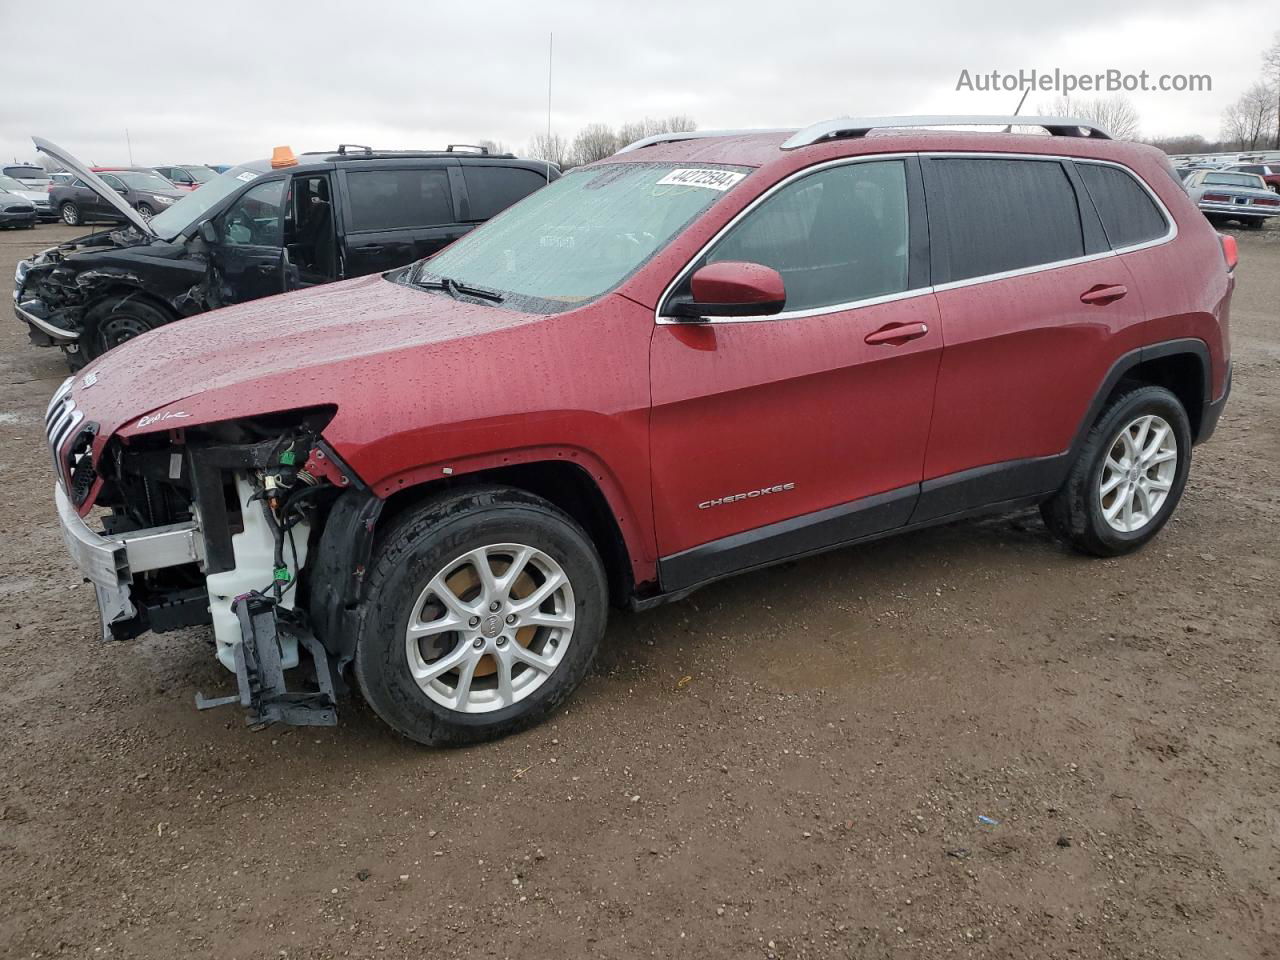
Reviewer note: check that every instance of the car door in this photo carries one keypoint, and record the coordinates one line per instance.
(395, 214)
(776, 436)
(1035, 309)
(246, 259)
(100, 207)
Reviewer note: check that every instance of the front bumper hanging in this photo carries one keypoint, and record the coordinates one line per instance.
(110, 563)
(260, 673)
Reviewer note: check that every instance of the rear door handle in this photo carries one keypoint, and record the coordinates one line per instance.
(1104, 293)
(898, 333)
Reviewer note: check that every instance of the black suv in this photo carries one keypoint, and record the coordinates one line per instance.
(260, 228)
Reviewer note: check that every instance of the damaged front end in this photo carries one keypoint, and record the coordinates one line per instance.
(62, 291)
(215, 525)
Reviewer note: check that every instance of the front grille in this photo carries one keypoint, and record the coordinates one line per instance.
(19, 208)
(60, 422)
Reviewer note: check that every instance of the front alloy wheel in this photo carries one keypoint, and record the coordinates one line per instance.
(490, 628)
(484, 610)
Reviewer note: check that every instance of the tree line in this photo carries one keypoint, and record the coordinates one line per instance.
(596, 141)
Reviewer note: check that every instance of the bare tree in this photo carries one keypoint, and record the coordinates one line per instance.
(1271, 76)
(550, 147)
(1116, 114)
(493, 146)
(1248, 123)
(638, 129)
(595, 142)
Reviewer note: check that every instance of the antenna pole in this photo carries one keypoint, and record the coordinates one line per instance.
(551, 39)
(1018, 109)
(130, 145)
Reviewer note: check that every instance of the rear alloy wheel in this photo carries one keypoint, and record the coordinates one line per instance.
(1138, 473)
(485, 608)
(1128, 476)
(70, 214)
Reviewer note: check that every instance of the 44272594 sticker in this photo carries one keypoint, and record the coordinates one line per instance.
(705, 177)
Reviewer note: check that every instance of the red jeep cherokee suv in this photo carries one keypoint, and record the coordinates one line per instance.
(706, 354)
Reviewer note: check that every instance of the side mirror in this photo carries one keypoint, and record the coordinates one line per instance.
(732, 288)
(208, 232)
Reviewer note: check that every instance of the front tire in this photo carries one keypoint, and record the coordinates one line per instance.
(145, 211)
(484, 612)
(70, 214)
(1127, 478)
(117, 320)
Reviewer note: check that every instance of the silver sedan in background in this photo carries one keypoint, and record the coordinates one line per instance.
(1223, 195)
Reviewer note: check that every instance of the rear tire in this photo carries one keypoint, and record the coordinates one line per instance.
(117, 320)
(71, 215)
(418, 619)
(1121, 489)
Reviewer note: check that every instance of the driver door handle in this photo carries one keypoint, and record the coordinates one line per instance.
(898, 333)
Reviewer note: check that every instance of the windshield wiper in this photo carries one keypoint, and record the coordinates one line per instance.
(453, 288)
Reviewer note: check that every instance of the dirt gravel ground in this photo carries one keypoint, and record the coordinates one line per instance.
(792, 764)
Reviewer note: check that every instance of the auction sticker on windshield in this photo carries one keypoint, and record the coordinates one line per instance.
(711, 179)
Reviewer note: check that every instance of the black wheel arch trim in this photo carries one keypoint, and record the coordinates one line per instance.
(1128, 361)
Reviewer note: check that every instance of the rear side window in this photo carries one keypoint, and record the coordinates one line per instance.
(1128, 213)
(1001, 215)
(836, 236)
(391, 199)
(492, 189)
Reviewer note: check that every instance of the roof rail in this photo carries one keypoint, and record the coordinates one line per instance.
(693, 135)
(458, 147)
(860, 126)
(345, 148)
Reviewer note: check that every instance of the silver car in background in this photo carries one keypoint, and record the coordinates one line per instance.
(1223, 195)
(37, 198)
(31, 176)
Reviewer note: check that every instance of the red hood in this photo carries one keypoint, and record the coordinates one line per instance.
(326, 345)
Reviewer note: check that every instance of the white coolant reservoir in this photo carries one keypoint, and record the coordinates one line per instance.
(254, 550)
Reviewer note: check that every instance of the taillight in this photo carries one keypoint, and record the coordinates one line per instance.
(1267, 203)
(1230, 253)
(1216, 198)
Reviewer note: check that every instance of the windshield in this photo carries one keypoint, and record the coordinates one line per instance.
(8, 183)
(145, 181)
(200, 174)
(1234, 179)
(581, 236)
(200, 201)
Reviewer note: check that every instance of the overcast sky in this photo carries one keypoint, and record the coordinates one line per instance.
(223, 82)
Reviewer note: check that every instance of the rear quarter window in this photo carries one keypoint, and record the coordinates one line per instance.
(492, 189)
(1128, 213)
(1001, 215)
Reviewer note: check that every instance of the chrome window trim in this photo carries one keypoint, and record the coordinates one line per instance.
(1169, 235)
